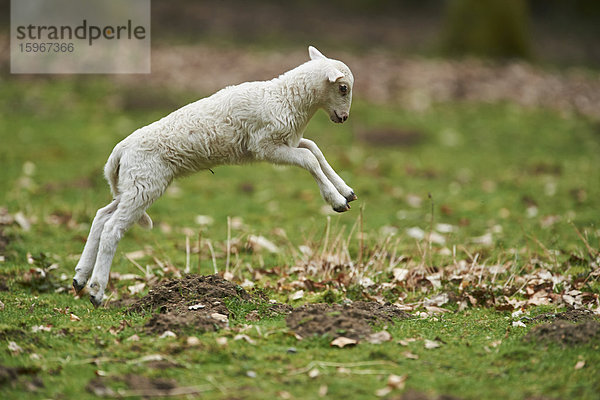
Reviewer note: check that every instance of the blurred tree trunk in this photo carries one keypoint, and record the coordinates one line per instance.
(487, 28)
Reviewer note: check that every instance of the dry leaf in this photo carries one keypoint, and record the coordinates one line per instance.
(246, 338)
(219, 317)
(297, 295)
(221, 341)
(43, 328)
(192, 341)
(137, 288)
(410, 356)
(168, 334)
(342, 342)
(431, 344)
(323, 390)
(396, 381)
(580, 364)
(393, 382)
(313, 373)
(383, 391)
(379, 337)
(405, 342)
(14, 348)
(133, 338)
(74, 317)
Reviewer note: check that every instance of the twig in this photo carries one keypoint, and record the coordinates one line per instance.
(212, 254)
(591, 252)
(200, 252)
(187, 255)
(228, 244)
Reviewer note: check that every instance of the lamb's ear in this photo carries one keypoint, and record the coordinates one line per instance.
(315, 54)
(333, 74)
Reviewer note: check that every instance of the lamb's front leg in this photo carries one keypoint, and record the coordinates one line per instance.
(329, 172)
(304, 158)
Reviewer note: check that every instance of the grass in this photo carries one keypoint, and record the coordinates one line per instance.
(527, 177)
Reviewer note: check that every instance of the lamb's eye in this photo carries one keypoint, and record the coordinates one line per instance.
(343, 89)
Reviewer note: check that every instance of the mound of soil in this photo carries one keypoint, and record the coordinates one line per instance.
(415, 395)
(570, 316)
(353, 321)
(566, 333)
(191, 302)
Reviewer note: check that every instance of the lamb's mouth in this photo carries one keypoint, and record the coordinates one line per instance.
(336, 118)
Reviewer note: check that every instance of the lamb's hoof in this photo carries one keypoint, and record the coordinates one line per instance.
(351, 197)
(343, 208)
(96, 300)
(77, 286)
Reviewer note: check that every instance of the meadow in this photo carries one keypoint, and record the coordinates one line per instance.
(480, 220)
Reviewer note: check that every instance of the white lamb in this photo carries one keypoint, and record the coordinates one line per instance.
(253, 121)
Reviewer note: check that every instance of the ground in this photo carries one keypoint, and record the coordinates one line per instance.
(468, 268)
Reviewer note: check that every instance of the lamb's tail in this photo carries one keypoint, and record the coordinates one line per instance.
(111, 173)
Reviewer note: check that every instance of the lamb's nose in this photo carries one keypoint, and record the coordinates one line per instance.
(344, 116)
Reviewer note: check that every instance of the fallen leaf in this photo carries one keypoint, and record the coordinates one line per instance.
(246, 338)
(405, 342)
(74, 317)
(410, 356)
(379, 337)
(313, 373)
(431, 344)
(343, 341)
(137, 288)
(383, 391)
(192, 341)
(167, 334)
(43, 328)
(133, 338)
(297, 295)
(394, 382)
(580, 364)
(221, 341)
(219, 317)
(323, 390)
(14, 348)
(257, 243)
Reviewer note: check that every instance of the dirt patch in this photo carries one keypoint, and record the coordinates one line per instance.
(566, 333)
(570, 316)
(196, 302)
(415, 395)
(11, 375)
(137, 384)
(350, 320)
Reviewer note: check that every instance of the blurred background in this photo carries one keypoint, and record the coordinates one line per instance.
(489, 107)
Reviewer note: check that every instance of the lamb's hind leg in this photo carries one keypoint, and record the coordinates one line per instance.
(130, 209)
(84, 267)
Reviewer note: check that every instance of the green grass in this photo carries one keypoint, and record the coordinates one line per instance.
(479, 167)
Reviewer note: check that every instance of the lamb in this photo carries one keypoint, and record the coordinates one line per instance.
(252, 121)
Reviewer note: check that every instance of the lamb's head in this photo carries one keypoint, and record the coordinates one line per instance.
(338, 80)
